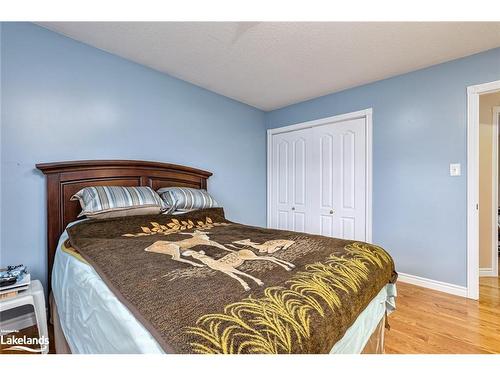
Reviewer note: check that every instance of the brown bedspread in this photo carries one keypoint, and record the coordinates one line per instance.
(202, 284)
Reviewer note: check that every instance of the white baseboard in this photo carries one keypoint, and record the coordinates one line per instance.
(487, 272)
(440, 286)
(19, 322)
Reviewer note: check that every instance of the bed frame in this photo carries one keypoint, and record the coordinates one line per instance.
(66, 178)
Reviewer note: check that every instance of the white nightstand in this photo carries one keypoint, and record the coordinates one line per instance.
(32, 296)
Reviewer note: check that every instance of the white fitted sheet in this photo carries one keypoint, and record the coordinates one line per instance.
(94, 321)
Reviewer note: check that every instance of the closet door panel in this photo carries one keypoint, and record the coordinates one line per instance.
(347, 225)
(298, 187)
(299, 222)
(290, 185)
(352, 201)
(326, 226)
(348, 165)
(326, 161)
(338, 203)
(282, 220)
(281, 183)
(326, 170)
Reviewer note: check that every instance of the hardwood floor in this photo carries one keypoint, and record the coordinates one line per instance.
(428, 322)
(431, 322)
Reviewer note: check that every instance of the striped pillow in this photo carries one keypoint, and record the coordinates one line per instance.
(186, 199)
(101, 202)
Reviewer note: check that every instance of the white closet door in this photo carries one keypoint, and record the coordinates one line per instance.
(289, 205)
(338, 197)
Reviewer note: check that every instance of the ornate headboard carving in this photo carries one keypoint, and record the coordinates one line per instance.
(65, 178)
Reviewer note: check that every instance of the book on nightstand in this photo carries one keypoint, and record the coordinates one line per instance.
(8, 294)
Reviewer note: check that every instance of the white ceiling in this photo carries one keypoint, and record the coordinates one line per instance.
(273, 64)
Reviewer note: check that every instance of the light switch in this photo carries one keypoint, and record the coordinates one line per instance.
(455, 169)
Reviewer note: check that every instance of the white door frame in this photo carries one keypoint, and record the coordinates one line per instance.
(473, 93)
(367, 114)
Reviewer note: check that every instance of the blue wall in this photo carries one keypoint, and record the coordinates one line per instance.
(419, 127)
(64, 100)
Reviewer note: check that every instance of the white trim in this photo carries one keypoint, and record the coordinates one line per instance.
(440, 286)
(365, 113)
(268, 182)
(19, 322)
(484, 88)
(369, 176)
(472, 194)
(473, 93)
(326, 120)
(494, 192)
(487, 272)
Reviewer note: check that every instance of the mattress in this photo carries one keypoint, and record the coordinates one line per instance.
(93, 320)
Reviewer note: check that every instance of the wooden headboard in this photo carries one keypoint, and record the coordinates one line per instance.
(66, 178)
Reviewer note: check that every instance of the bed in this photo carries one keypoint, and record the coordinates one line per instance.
(94, 314)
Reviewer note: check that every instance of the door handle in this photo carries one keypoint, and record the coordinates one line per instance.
(332, 212)
(293, 208)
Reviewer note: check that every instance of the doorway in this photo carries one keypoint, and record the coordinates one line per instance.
(482, 184)
(488, 184)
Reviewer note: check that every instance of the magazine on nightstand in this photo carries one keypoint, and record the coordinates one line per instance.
(14, 280)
